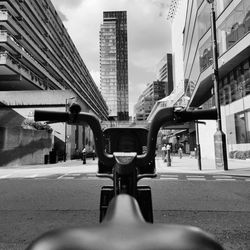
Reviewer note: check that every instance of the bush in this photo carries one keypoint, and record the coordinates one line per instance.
(30, 124)
(242, 155)
(247, 154)
(232, 154)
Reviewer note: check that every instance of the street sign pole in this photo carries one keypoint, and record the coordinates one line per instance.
(219, 137)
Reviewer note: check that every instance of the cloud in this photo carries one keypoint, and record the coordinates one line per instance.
(149, 34)
(62, 16)
(67, 3)
(96, 77)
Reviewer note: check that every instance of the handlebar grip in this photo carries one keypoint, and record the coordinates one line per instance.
(52, 116)
(184, 116)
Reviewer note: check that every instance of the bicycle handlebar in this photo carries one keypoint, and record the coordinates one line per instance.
(165, 116)
(79, 119)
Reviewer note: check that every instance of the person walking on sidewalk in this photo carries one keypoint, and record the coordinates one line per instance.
(164, 152)
(84, 156)
(168, 156)
(180, 152)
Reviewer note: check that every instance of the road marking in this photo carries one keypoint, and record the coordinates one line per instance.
(60, 177)
(169, 178)
(31, 176)
(91, 174)
(4, 176)
(223, 176)
(196, 178)
(170, 175)
(93, 177)
(223, 179)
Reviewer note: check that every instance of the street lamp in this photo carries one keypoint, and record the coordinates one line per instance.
(66, 136)
(219, 137)
(198, 147)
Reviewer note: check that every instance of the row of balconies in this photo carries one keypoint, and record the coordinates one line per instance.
(19, 69)
(58, 68)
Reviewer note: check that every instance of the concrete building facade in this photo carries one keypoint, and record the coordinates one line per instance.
(233, 35)
(153, 92)
(114, 63)
(37, 54)
(164, 72)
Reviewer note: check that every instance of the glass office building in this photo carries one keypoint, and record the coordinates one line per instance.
(114, 63)
(233, 35)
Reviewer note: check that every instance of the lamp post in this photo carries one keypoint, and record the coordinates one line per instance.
(66, 136)
(219, 137)
(198, 148)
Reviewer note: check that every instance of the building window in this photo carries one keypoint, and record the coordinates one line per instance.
(242, 127)
(236, 25)
(236, 84)
(204, 20)
(246, 83)
(205, 55)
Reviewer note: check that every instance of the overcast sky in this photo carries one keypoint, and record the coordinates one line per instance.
(149, 35)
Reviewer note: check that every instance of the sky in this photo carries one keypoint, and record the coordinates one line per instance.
(149, 36)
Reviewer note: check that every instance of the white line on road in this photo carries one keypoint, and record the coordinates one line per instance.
(31, 176)
(223, 179)
(93, 178)
(67, 177)
(169, 178)
(169, 175)
(60, 177)
(91, 174)
(223, 176)
(4, 176)
(196, 178)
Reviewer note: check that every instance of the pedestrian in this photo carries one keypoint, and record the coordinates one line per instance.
(195, 153)
(168, 157)
(180, 152)
(164, 152)
(84, 156)
(93, 154)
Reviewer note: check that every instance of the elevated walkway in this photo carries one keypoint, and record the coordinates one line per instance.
(36, 98)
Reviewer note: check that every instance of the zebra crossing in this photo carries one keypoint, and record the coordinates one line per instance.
(160, 176)
(200, 177)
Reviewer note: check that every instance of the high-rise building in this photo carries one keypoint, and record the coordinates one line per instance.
(146, 101)
(164, 72)
(114, 63)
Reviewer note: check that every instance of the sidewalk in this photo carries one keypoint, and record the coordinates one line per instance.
(70, 166)
(190, 165)
(184, 165)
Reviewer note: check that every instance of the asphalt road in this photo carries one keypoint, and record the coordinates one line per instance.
(29, 207)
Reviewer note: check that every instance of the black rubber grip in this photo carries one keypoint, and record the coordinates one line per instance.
(184, 116)
(52, 116)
